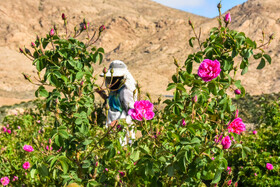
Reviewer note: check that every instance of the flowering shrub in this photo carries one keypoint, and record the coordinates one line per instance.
(183, 145)
(258, 164)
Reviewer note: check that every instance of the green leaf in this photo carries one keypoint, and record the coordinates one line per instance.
(79, 75)
(43, 170)
(86, 164)
(212, 88)
(258, 56)
(170, 170)
(243, 154)
(181, 87)
(244, 70)
(217, 177)
(64, 164)
(190, 67)
(191, 41)
(237, 83)
(268, 58)
(41, 64)
(261, 64)
(32, 173)
(79, 121)
(171, 86)
(111, 153)
(101, 50)
(135, 155)
(42, 92)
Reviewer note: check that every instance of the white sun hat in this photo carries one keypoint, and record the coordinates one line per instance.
(120, 70)
(119, 67)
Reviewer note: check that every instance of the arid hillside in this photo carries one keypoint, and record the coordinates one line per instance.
(142, 33)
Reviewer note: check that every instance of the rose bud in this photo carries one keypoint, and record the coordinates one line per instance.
(33, 45)
(63, 16)
(84, 26)
(105, 70)
(194, 99)
(27, 51)
(271, 37)
(227, 18)
(219, 6)
(102, 28)
(55, 27)
(237, 92)
(183, 122)
(82, 83)
(20, 50)
(51, 32)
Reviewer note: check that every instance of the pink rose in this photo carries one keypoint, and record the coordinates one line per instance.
(9, 131)
(5, 181)
(213, 158)
(237, 126)
(28, 148)
(254, 132)
(229, 183)
(269, 166)
(256, 174)
(226, 142)
(227, 18)
(209, 69)
(142, 109)
(4, 129)
(106, 169)
(26, 165)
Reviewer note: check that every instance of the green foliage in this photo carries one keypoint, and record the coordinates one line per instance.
(251, 170)
(82, 150)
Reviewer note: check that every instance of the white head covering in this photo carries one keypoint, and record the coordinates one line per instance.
(120, 70)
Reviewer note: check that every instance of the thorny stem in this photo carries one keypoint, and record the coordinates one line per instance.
(197, 37)
(106, 134)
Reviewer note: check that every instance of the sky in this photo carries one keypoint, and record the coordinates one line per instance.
(206, 8)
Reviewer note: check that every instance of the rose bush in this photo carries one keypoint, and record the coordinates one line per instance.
(260, 165)
(185, 144)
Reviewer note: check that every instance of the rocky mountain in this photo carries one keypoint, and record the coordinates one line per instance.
(142, 33)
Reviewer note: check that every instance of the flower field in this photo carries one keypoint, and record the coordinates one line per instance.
(198, 139)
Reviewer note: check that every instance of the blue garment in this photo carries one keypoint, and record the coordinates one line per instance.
(114, 100)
